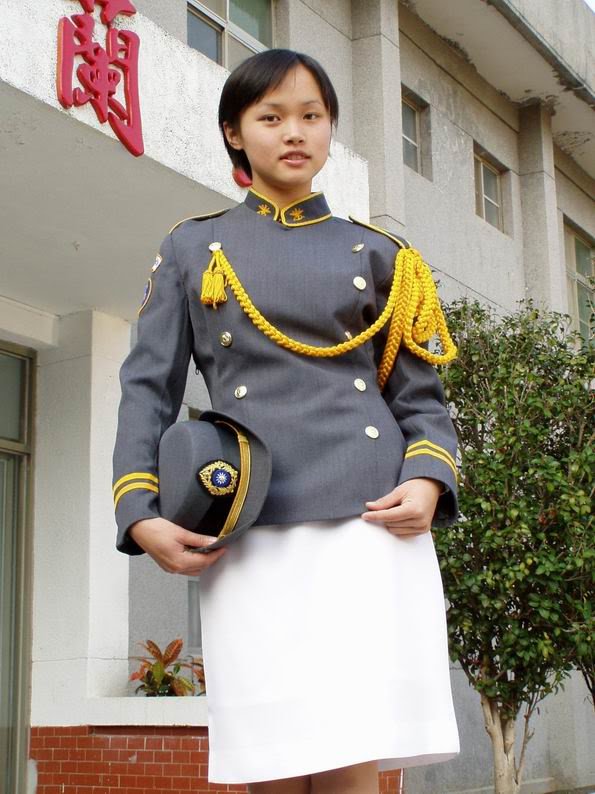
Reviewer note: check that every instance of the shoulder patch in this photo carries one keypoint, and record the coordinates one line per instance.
(199, 217)
(401, 241)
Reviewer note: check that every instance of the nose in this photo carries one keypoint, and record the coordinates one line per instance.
(292, 132)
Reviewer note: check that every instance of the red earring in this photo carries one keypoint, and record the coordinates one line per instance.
(240, 177)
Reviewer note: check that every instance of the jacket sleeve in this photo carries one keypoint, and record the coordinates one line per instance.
(415, 396)
(153, 379)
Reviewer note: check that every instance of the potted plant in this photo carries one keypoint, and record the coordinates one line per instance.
(159, 673)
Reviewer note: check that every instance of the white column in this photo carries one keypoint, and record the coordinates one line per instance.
(543, 255)
(80, 584)
(377, 107)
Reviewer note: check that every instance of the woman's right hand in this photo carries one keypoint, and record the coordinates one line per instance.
(166, 543)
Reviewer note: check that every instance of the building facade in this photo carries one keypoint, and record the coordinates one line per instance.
(467, 127)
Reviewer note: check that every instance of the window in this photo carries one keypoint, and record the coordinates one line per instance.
(580, 267)
(17, 373)
(488, 194)
(410, 120)
(416, 132)
(229, 31)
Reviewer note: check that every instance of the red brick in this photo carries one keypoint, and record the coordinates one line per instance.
(189, 743)
(110, 755)
(189, 770)
(135, 742)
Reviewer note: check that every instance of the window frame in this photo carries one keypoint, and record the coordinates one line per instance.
(405, 100)
(573, 277)
(483, 161)
(24, 453)
(227, 28)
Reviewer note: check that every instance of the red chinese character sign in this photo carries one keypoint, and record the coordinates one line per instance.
(101, 70)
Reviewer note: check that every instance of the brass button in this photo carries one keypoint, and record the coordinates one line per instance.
(359, 282)
(214, 246)
(360, 384)
(357, 247)
(240, 391)
(372, 431)
(348, 335)
(225, 338)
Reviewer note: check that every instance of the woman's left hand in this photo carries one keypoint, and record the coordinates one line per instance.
(408, 509)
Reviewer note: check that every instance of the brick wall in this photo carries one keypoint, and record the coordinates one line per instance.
(133, 760)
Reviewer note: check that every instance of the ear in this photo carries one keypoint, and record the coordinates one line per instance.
(233, 138)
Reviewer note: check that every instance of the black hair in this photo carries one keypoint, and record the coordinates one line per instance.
(257, 75)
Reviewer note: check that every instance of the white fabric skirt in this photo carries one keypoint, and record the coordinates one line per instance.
(325, 645)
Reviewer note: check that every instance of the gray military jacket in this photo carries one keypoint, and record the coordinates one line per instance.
(337, 441)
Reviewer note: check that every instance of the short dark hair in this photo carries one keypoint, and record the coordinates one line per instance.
(257, 75)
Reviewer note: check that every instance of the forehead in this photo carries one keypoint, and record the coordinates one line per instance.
(299, 86)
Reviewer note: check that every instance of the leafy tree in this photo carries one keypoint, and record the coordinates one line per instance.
(518, 566)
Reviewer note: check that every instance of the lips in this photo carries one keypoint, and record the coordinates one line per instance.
(295, 155)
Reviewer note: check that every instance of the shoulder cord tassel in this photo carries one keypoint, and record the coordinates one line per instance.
(213, 281)
(413, 307)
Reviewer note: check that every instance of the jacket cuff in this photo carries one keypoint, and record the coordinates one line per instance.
(423, 460)
(137, 503)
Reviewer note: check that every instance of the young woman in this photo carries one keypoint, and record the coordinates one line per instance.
(323, 626)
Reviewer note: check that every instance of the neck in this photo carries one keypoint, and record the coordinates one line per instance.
(281, 197)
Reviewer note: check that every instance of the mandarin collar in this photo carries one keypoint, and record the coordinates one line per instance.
(312, 208)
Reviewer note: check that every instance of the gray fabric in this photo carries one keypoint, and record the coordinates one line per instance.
(305, 408)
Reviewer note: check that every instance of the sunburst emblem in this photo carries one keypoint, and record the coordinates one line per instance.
(297, 214)
(264, 209)
(219, 477)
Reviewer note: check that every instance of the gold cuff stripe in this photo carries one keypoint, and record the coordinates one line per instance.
(131, 486)
(134, 475)
(435, 454)
(425, 443)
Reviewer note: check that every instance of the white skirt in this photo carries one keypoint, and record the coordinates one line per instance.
(325, 645)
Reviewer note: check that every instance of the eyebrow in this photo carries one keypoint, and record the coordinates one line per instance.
(280, 105)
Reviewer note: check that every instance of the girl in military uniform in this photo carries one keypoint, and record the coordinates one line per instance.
(323, 626)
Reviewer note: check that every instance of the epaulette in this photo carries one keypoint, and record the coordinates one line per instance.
(399, 240)
(199, 217)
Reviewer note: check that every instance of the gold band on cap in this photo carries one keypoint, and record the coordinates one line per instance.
(242, 489)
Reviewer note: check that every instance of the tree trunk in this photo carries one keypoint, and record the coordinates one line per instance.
(502, 736)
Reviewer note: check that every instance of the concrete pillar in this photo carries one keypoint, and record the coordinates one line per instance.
(80, 582)
(542, 255)
(377, 107)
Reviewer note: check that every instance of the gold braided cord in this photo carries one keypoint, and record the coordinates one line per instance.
(413, 303)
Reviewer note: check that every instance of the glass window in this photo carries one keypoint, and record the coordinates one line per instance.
(218, 6)
(204, 36)
(253, 16)
(487, 192)
(236, 52)
(410, 123)
(12, 383)
(16, 373)
(580, 268)
(229, 31)
(194, 626)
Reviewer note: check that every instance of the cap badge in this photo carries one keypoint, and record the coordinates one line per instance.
(219, 477)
